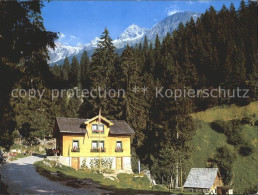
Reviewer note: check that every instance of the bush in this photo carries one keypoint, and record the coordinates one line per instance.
(246, 120)
(218, 126)
(52, 152)
(224, 158)
(106, 164)
(246, 149)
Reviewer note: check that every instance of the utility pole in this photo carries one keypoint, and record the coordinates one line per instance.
(177, 136)
(99, 120)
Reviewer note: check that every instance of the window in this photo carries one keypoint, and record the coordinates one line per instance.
(119, 146)
(97, 145)
(75, 146)
(97, 128)
(101, 144)
(94, 145)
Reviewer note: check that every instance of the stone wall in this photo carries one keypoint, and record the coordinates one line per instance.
(60, 159)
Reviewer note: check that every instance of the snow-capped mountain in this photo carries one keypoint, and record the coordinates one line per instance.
(61, 51)
(93, 43)
(132, 32)
(170, 23)
(131, 35)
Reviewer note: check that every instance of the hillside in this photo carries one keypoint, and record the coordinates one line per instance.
(226, 112)
(207, 140)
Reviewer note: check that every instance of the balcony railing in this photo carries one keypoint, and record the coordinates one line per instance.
(119, 150)
(98, 150)
(75, 150)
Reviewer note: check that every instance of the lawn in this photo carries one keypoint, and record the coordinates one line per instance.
(123, 183)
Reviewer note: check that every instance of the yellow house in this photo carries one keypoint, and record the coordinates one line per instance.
(94, 143)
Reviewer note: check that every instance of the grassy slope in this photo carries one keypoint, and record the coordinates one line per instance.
(207, 140)
(125, 182)
(226, 112)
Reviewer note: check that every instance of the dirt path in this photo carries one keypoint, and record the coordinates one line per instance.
(21, 177)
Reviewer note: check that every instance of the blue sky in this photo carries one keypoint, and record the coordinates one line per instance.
(81, 21)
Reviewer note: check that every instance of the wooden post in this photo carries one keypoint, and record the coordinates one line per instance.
(139, 166)
(181, 180)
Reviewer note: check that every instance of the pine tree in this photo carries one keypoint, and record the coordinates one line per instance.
(145, 44)
(57, 71)
(66, 69)
(157, 56)
(102, 76)
(134, 102)
(85, 66)
(102, 63)
(23, 47)
(74, 74)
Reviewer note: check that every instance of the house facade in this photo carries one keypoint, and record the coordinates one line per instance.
(96, 143)
(205, 180)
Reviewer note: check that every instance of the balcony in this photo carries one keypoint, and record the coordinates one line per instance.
(98, 150)
(75, 150)
(119, 150)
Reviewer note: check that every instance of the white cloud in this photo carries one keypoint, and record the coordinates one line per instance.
(172, 10)
(73, 37)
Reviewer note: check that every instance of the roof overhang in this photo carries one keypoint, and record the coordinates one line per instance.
(101, 117)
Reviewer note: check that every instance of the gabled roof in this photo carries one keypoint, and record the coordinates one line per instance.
(71, 125)
(120, 127)
(76, 125)
(201, 178)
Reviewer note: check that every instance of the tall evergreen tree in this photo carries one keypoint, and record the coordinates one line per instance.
(102, 62)
(23, 49)
(102, 76)
(74, 74)
(135, 104)
(85, 67)
(66, 69)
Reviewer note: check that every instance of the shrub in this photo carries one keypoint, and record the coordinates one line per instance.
(52, 152)
(218, 126)
(246, 120)
(224, 158)
(106, 163)
(246, 149)
(234, 134)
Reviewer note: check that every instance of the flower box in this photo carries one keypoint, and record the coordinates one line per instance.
(75, 150)
(119, 150)
(97, 131)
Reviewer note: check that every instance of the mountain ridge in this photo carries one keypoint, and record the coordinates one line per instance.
(132, 35)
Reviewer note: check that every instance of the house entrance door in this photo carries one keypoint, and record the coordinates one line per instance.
(75, 162)
(119, 163)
